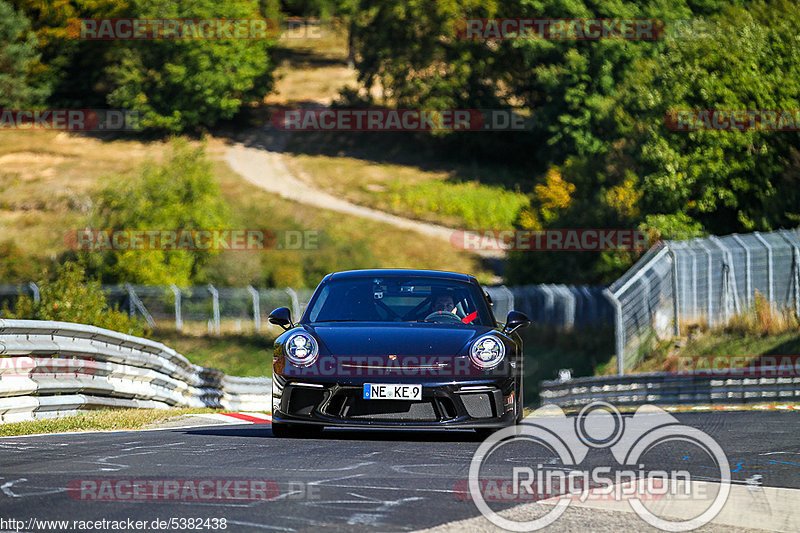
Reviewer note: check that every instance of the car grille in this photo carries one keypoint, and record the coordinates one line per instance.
(348, 404)
(389, 410)
(477, 405)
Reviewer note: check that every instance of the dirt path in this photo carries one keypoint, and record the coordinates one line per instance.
(258, 159)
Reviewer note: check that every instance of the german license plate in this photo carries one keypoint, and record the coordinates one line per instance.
(388, 391)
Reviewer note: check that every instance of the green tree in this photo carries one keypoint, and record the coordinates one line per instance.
(73, 68)
(180, 194)
(177, 84)
(18, 61)
(748, 58)
(72, 297)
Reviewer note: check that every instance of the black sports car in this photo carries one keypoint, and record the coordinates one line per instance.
(396, 348)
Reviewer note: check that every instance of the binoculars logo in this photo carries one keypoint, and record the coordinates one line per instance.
(600, 425)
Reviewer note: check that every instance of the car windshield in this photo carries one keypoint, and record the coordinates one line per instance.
(400, 299)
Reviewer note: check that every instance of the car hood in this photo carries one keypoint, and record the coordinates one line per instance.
(412, 339)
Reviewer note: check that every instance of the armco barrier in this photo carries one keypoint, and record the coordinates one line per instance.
(669, 389)
(50, 369)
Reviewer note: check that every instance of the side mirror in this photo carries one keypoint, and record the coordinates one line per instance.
(514, 321)
(281, 317)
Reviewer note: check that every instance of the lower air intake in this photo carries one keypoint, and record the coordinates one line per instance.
(477, 405)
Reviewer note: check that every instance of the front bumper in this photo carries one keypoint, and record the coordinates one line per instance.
(457, 405)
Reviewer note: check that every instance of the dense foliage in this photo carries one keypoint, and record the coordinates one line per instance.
(19, 60)
(72, 297)
(173, 84)
(601, 154)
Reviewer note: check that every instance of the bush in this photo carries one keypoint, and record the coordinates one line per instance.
(71, 297)
(178, 85)
(18, 58)
(180, 194)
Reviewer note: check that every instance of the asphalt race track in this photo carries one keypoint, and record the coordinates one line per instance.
(385, 481)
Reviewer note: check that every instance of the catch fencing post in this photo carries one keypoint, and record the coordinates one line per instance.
(794, 283)
(178, 318)
(747, 276)
(694, 283)
(763, 241)
(592, 312)
(510, 297)
(215, 306)
(256, 307)
(618, 330)
(676, 329)
(35, 290)
(549, 303)
(709, 275)
(729, 285)
(135, 303)
(569, 305)
(295, 303)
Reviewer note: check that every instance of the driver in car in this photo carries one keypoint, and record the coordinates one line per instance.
(443, 303)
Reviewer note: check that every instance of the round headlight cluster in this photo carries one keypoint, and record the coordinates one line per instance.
(301, 349)
(487, 352)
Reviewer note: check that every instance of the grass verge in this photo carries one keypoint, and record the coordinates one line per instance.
(100, 420)
(236, 354)
(666, 355)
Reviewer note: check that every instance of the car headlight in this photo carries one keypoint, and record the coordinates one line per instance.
(301, 349)
(487, 352)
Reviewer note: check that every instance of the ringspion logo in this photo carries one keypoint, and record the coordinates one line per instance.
(562, 479)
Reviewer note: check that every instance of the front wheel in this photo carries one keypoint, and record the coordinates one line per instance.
(293, 431)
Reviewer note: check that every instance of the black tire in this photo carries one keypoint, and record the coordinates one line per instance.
(292, 431)
(520, 404)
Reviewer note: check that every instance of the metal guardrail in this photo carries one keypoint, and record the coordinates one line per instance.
(669, 389)
(50, 369)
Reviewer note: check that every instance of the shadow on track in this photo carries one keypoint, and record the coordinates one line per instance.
(344, 435)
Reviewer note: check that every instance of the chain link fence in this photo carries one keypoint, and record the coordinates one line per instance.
(562, 306)
(238, 308)
(703, 281)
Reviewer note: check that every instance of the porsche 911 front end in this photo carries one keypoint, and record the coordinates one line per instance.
(396, 348)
